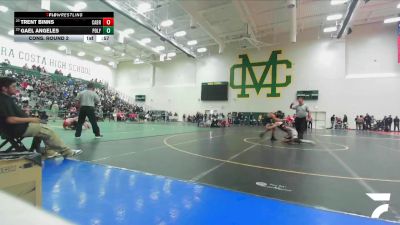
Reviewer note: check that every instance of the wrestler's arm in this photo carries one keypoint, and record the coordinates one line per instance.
(272, 126)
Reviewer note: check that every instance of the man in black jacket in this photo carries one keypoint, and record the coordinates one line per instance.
(333, 118)
(396, 123)
(389, 123)
(367, 120)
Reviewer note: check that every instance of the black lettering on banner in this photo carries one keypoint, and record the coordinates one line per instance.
(3, 51)
(11, 54)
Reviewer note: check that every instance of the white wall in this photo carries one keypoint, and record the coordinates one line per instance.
(317, 65)
(20, 53)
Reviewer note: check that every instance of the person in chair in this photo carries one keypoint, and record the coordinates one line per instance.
(15, 123)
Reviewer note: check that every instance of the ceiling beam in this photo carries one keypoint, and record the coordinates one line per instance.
(353, 6)
(118, 8)
(191, 9)
(245, 16)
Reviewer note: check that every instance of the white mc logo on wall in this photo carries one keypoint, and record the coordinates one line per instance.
(379, 197)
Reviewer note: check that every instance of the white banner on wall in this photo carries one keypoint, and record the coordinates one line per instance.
(20, 54)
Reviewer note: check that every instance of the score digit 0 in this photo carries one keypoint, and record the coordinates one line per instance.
(108, 22)
(108, 30)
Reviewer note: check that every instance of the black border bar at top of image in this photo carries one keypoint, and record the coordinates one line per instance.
(45, 14)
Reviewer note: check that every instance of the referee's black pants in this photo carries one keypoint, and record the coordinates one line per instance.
(301, 126)
(89, 112)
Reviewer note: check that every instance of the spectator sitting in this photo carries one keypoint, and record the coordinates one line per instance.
(16, 123)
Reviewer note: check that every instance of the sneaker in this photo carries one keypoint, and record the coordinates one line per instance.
(49, 154)
(296, 140)
(99, 136)
(78, 137)
(71, 153)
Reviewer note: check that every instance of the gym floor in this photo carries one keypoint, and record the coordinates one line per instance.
(222, 176)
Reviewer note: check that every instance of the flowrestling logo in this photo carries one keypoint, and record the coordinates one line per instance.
(380, 197)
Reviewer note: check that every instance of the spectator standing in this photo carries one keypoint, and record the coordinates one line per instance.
(396, 123)
(54, 110)
(389, 123)
(360, 122)
(333, 118)
(367, 122)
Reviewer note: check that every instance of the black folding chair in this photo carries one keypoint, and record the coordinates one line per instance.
(15, 144)
(12, 144)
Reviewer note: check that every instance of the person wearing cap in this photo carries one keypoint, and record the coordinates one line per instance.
(87, 100)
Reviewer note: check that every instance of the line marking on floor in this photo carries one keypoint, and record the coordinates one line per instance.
(275, 169)
(389, 148)
(153, 148)
(304, 149)
(367, 187)
(357, 137)
(205, 173)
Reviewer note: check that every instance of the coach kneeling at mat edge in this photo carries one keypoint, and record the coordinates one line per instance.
(302, 112)
(15, 123)
(87, 100)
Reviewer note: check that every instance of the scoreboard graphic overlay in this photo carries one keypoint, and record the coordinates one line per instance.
(63, 26)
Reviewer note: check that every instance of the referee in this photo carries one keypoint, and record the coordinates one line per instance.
(302, 112)
(87, 100)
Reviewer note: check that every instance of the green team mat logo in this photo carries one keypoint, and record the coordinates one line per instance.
(271, 64)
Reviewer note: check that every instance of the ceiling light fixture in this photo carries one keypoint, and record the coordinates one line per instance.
(167, 23)
(180, 33)
(338, 2)
(171, 54)
(3, 8)
(201, 50)
(107, 48)
(144, 7)
(334, 17)
(62, 48)
(392, 20)
(138, 61)
(79, 6)
(330, 29)
(192, 42)
(159, 48)
(129, 31)
(81, 53)
(97, 58)
(145, 40)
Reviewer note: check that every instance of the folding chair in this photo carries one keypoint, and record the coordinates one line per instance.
(15, 144)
